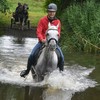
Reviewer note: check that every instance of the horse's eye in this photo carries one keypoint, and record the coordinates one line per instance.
(47, 34)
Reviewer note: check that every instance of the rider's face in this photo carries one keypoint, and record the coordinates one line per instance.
(51, 14)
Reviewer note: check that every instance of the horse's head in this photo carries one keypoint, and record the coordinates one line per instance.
(25, 7)
(52, 36)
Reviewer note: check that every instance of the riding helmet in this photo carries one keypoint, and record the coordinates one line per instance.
(52, 7)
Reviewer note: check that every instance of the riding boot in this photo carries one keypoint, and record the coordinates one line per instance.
(61, 65)
(32, 60)
(60, 61)
(26, 72)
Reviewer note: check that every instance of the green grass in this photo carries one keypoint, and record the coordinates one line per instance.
(36, 11)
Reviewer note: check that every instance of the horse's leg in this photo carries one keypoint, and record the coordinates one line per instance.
(21, 23)
(36, 75)
(25, 21)
(33, 72)
(19, 20)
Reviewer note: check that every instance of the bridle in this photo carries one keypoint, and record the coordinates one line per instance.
(48, 41)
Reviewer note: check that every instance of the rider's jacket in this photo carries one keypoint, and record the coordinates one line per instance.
(43, 26)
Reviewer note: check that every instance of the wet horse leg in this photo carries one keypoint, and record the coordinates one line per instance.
(21, 23)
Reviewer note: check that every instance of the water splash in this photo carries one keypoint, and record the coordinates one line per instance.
(55, 94)
(74, 78)
(63, 85)
(13, 59)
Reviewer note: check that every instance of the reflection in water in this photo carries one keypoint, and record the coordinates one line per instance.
(19, 40)
(9, 92)
(61, 86)
(33, 93)
(89, 94)
(55, 94)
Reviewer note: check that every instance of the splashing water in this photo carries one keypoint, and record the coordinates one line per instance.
(13, 59)
(63, 85)
(73, 78)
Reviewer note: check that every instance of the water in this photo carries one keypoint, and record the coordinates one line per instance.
(77, 82)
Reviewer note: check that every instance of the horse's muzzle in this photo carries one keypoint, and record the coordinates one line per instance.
(52, 44)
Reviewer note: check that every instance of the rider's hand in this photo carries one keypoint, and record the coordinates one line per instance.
(43, 40)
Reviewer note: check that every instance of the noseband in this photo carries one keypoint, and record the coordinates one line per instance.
(52, 39)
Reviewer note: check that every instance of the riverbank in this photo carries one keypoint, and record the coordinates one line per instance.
(18, 32)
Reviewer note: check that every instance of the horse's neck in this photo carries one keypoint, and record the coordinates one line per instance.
(47, 52)
(50, 59)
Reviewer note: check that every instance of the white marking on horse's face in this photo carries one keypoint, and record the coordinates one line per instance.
(52, 36)
(52, 32)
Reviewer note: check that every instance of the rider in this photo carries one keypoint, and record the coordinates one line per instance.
(18, 11)
(41, 30)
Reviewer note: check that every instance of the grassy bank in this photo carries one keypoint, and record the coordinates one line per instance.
(36, 11)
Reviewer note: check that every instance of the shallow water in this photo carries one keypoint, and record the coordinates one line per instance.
(77, 82)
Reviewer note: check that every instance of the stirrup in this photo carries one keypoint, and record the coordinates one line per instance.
(23, 73)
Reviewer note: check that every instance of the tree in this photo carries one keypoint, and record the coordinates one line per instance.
(4, 6)
(62, 4)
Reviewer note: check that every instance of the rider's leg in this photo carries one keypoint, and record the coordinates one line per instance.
(32, 59)
(61, 59)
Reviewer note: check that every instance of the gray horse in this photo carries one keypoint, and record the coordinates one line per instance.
(48, 59)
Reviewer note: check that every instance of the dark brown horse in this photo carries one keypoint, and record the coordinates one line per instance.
(21, 15)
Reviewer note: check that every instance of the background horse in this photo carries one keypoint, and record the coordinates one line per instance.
(48, 59)
(21, 15)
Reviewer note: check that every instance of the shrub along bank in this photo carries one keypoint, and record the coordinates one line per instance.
(81, 27)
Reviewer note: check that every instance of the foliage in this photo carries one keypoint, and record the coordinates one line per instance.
(62, 4)
(81, 27)
(4, 6)
(36, 11)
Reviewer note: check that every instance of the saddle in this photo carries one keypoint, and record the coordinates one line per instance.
(39, 51)
(37, 54)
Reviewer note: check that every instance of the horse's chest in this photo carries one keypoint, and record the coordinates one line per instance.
(47, 62)
(51, 59)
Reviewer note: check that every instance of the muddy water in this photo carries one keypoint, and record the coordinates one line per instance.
(79, 81)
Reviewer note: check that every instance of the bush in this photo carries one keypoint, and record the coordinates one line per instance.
(81, 27)
(4, 6)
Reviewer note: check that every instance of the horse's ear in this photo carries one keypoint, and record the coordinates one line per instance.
(49, 25)
(57, 25)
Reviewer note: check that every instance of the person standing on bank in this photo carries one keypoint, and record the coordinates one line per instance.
(41, 30)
